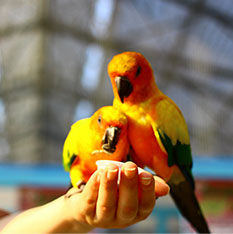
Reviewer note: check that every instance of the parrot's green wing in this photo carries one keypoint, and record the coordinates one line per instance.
(70, 149)
(172, 131)
(172, 134)
(68, 159)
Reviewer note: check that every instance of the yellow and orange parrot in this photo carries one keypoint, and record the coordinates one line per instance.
(102, 136)
(157, 130)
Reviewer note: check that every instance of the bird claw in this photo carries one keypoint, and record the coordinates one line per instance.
(80, 187)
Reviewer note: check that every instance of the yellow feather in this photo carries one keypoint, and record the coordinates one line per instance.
(171, 121)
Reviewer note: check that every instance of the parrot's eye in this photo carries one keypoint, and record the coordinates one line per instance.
(138, 71)
(99, 119)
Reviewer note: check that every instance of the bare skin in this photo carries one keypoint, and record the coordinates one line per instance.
(101, 204)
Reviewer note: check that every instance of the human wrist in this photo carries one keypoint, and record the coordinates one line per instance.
(73, 219)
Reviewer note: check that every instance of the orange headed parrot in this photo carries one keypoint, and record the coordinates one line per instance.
(102, 136)
(157, 131)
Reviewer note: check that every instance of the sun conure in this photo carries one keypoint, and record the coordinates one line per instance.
(157, 131)
(102, 136)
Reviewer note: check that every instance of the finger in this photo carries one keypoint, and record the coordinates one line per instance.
(147, 195)
(128, 193)
(161, 187)
(107, 197)
(90, 194)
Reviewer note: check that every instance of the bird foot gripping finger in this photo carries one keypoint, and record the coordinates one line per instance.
(80, 187)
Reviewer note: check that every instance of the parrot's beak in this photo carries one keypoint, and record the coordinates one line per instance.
(124, 87)
(110, 139)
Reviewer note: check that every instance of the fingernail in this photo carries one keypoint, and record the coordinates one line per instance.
(145, 178)
(112, 173)
(130, 172)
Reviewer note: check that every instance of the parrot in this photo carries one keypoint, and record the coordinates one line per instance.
(157, 131)
(103, 136)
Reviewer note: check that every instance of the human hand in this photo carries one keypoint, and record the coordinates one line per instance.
(104, 204)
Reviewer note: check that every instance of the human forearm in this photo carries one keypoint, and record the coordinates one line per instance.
(53, 217)
(103, 204)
